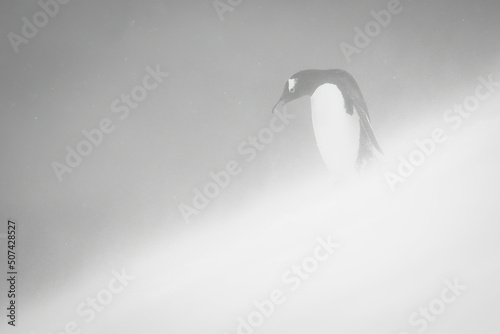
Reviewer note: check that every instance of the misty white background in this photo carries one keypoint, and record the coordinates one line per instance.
(119, 209)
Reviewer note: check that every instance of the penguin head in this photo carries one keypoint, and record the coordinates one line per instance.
(302, 83)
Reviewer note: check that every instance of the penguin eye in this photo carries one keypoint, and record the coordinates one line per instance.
(291, 85)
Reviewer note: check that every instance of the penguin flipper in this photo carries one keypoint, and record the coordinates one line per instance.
(366, 151)
(357, 100)
(367, 127)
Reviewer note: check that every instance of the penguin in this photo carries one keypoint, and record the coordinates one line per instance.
(344, 135)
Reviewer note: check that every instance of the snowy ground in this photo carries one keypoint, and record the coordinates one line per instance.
(396, 252)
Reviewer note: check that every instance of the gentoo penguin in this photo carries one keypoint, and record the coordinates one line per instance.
(340, 119)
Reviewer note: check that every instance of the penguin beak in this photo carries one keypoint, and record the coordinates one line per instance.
(365, 122)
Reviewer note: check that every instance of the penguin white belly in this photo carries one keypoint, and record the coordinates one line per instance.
(337, 133)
